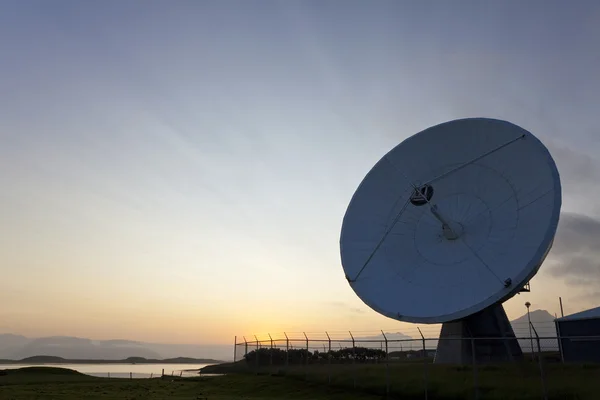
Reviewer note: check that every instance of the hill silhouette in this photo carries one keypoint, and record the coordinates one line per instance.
(43, 359)
(129, 360)
(16, 347)
(537, 316)
(543, 323)
(82, 348)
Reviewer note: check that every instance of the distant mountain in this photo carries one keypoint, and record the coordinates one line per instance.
(16, 347)
(541, 317)
(80, 348)
(543, 322)
(10, 342)
(120, 342)
(218, 351)
(43, 359)
(129, 360)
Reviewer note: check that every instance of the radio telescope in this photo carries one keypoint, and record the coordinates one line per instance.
(448, 225)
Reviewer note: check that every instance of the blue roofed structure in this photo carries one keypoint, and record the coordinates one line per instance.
(579, 335)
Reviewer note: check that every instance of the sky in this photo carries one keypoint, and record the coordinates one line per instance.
(178, 171)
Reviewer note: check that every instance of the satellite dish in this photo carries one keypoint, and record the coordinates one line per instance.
(452, 221)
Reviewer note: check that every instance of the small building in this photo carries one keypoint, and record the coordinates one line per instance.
(580, 336)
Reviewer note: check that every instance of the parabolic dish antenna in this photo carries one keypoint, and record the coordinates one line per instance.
(452, 221)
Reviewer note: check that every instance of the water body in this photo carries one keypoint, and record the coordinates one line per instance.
(122, 370)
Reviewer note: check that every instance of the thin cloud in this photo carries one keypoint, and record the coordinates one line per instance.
(575, 256)
(344, 306)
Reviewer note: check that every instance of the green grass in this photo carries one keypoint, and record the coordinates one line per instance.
(61, 384)
(407, 382)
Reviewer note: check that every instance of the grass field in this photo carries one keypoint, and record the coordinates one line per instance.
(62, 384)
(407, 381)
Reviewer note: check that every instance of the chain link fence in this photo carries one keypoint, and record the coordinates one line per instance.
(402, 365)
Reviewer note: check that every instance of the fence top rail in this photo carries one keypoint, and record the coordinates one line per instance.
(382, 340)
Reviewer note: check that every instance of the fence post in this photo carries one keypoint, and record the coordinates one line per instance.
(560, 345)
(151, 375)
(531, 340)
(424, 362)
(287, 350)
(306, 358)
(475, 378)
(329, 358)
(257, 354)
(387, 366)
(130, 375)
(541, 364)
(245, 346)
(353, 359)
(271, 351)
(562, 314)
(234, 348)
(353, 347)
(109, 374)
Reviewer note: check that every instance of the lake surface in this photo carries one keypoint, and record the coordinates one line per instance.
(121, 370)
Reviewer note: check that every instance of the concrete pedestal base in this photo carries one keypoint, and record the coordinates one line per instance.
(493, 339)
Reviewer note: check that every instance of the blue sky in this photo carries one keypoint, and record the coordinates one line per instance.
(184, 166)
